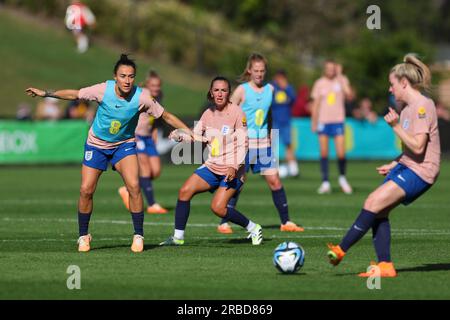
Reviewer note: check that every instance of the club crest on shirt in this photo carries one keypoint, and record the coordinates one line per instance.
(405, 124)
(88, 155)
(422, 113)
(225, 130)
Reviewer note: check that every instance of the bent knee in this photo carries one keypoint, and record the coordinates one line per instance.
(87, 191)
(134, 189)
(218, 209)
(373, 203)
(185, 193)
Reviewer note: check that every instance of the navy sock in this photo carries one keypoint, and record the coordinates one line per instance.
(231, 204)
(341, 166)
(381, 235)
(83, 223)
(182, 214)
(138, 222)
(362, 224)
(236, 217)
(280, 201)
(147, 188)
(324, 168)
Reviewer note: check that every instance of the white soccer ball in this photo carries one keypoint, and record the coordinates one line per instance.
(288, 257)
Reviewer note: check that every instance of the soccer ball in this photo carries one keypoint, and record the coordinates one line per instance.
(288, 257)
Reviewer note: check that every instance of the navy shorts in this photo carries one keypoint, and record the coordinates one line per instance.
(146, 145)
(284, 130)
(217, 180)
(260, 159)
(99, 158)
(413, 185)
(331, 129)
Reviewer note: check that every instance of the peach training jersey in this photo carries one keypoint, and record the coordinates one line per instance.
(420, 117)
(96, 92)
(331, 99)
(226, 132)
(146, 122)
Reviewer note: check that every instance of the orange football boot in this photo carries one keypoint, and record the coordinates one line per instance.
(335, 254)
(84, 243)
(382, 269)
(156, 209)
(224, 228)
(291, 227)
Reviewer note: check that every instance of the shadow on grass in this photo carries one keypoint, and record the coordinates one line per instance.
(427, 268)
(291, 274)
(246, 241)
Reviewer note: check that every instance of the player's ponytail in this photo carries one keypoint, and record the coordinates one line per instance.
(254, 57)
(415, 71)
(124, 61)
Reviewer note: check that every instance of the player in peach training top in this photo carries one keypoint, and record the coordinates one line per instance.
(410, 175)
(328, 116)
(255, 97)
(148, 157)
(111, 140)
(224, 127)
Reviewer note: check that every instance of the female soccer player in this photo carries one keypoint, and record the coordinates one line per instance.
(410, 175)
(255, 99)
(328, 116)
(223, 126)
(111, 139)
(148, 157)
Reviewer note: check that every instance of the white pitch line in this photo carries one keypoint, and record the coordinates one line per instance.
(206, 225)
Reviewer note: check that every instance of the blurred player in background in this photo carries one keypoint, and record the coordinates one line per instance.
(328, 116)
(408, 176)
(148, 157)
(255, 99)
(283, 100)
(223, 127)
(78, 18)
(111, 139)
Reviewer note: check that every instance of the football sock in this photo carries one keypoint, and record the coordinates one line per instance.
(324, 168)
(83, 223)
(362, 224)
(236, 217)
(231, 204)
(147, 188)
(178, 234)
(182, 214)
(341, 166)
(138, 222)
(381, 235)
(280, 201)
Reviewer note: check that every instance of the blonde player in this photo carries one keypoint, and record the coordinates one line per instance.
(223, 126)
(111, 140)
(328, 116)
(255, 97)
(410, 175)
(148, 157)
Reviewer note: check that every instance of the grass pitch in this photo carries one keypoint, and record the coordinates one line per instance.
(38, 232)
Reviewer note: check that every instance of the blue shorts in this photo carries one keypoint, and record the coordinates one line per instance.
(217, 180)
(260, 160)
(284, 130)
(409, 181)
(146, 145)
(99, 158)
(331, 129)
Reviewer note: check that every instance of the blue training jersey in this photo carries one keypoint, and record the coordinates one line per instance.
(256, 107)
(283, 99)
(117, 118)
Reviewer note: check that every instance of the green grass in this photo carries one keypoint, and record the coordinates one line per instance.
(38, 231)
(43, 55)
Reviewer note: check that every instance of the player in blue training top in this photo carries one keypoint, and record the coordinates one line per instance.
(111, 139)
(283, 100)
(255, 98)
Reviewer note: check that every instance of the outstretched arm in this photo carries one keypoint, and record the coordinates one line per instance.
(66, 94)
